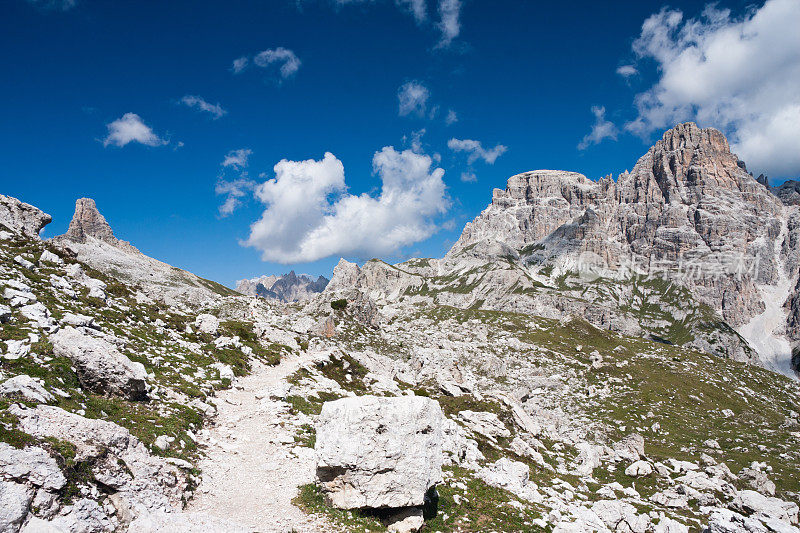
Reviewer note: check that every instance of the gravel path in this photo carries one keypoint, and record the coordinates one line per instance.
(253, 468)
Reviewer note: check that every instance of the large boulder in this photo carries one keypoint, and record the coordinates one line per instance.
(100, 366)
(377, 452)
(21, 218)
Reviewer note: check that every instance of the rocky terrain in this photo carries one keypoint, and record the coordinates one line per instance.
(504, 387)
(687, 249)
(287, 288)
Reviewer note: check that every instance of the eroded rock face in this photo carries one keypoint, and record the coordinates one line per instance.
(21, 218)
(100, 366)
(379, 452)
(88, 222)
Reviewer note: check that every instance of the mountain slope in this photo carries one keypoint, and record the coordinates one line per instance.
(91, 241)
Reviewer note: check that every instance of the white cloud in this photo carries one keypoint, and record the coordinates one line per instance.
(196, 102)
(415, 140)
(451, 118)
(60, 5)
(290, 62)
(310, 215)
(416, 8)
(412, 97)
(130, 128)
(239, 64)
(234, 191)
(739, 75)
(449, 25)
(469, 177)
(237, 159)
(601, 129)
(626, 71)
(476, 150)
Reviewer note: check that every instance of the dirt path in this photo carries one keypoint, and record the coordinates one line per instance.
(253, 468)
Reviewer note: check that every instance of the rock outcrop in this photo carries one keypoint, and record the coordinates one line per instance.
(100, 366)
(21, 218)
(87, 222)
(380, 453)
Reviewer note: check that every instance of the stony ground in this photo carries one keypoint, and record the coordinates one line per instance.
(252, 468)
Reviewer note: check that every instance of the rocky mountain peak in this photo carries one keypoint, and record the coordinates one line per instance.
(88, 222)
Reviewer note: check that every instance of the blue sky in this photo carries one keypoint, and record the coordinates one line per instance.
(95, 104)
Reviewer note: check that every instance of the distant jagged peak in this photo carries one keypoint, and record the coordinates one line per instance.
(289, 287)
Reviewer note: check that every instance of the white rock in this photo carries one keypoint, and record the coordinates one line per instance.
(751, 502)
(16, 349)
(620, 516)
(38, 313)
(512, 476)
(100, 366)
(588, 458)
(31, 464)
(14, 502)
(639, 469)
(206, 323)
(379, 452)
(50, 257)
(155, 483)
(225, 371)
(484, 423)
(24, 263)
(77, 320)
(27, 387)
(407, 520)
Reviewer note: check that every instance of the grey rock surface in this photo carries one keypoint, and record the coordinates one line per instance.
(100, 365)
(379, 452)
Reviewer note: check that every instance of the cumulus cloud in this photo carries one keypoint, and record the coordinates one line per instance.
(738, 74)
(416, 8)
(310, 215)
(196, 102)
(601, 129)
(130, 128)
(237, 159)
(626, 71)
(289, 61)
(451, 118)
(476, 150)
(449, 25)
(469, 177)
(234, 189)
(239, 64)
(412, 98)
